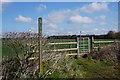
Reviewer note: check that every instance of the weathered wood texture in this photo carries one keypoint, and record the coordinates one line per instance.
(69, 49)
(40, 44)
(75, 54)
(104, 42)
(62, 43)
(100, 42)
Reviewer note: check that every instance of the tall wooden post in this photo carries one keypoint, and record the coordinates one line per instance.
(40, 44)
(92, 43)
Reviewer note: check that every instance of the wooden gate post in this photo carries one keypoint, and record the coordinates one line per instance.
(40, 44)
(92, 43)
(77, 40)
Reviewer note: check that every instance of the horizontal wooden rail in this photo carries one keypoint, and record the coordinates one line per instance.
(117, 41)
(62, 43)
(32, 44)
(56, 43)
(70, 49)
(62, 39)
(95, 47)
(104, 41)
(71, 54)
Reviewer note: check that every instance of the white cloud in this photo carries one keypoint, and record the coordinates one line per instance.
(41, 7)
(20, 18)
(58, 17)
(49, 24)
(50, 21)
(79, 19)
(103, 23)
(94, 7)
(52, 25)
(96, 31)
(100, 20)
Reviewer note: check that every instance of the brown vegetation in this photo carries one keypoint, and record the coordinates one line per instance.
(110, 52)
(25, 62)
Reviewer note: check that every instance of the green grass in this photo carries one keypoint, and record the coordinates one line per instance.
(104, 44)
(9, 51)
(79, 68)
(85, 68)
(107, 40)
(80, 42)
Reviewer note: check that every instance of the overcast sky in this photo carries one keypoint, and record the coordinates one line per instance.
(60, 17)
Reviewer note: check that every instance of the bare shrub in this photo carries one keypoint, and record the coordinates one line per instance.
(25, 47)
(110, 53)
(20, 43)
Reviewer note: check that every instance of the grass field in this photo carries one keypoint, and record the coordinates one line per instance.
(75, 68)
(80, 42)
(85, 68)
(9, 51)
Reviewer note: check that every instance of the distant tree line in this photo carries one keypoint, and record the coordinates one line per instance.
(113, 35)
(109, 35)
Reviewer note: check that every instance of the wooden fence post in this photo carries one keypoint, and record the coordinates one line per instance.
(92, 43)
(88, 45)
(83, 46)
(77, 39)
(40, 45)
